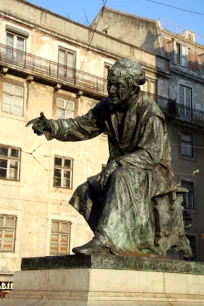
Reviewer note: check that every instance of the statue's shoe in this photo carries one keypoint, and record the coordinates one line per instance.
(94, 246)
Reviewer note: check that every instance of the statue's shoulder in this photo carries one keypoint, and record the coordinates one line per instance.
(149, 105)
(102, 107)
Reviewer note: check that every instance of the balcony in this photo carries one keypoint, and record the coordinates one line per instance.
(183, 62)
(52, 72)
(180, 112)
(28, 64)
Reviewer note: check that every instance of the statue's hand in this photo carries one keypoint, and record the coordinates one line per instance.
(106, 173)
(40, 125)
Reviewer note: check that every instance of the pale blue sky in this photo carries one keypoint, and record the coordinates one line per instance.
(171, 19)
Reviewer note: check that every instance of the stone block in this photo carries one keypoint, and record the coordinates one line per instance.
(96, 281)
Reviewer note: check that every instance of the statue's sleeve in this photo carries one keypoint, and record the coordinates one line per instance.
(150, 148)
(80, 128)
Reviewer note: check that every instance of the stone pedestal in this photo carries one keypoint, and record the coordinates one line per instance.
(106, 281)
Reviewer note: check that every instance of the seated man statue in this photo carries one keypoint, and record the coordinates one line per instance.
(117, 202)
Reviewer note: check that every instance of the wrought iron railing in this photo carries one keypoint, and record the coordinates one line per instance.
(42, 67)
(179, 111)
(47, 68)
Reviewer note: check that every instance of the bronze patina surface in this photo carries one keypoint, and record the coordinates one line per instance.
(133, 206)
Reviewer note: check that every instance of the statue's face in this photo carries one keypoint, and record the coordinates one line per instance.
(118, 90)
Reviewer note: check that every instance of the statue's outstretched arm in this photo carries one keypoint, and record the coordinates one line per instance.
(77, 129)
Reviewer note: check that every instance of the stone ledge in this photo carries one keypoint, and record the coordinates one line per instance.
(112, 262)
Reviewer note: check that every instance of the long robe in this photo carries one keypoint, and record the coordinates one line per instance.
(121, 215)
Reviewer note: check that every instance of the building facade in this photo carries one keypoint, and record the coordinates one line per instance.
(48, 64)
(183, 108)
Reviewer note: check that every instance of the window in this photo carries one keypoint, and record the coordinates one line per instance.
(150, 86)
(60, 238)
(67, 63)
(63, 172)
(16, 44)
(12, 99)
(185, 96)
(9, 163)
(188, 201)
(186, 145)
(181, 55)
(7, 233)
(107, 67)
(64, 109)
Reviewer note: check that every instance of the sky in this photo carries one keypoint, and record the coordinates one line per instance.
(171, 19)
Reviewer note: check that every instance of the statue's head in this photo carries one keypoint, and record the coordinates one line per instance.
(124, 79)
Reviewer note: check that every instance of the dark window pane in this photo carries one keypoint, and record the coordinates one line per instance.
(186, 137)
(186, 150)
(3, 151)
(67, 163)
(58, 161)
(3, 167)
(57, 177)
(13, 172)
(15, 153)
(3, 163)
(66, 179)
(188, 197)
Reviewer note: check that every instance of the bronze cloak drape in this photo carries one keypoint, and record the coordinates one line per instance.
(121, 214)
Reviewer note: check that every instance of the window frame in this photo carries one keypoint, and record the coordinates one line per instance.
(12, 158)
(64, 97)
(148, 82)
(62, 168)
(13, 84)
(65, 101)
(7, 228)
(193, 208)
(61, 233)
(181, 57)
(14, 50)
(190, 158)
(65, 66)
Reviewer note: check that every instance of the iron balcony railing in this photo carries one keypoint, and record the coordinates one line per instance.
(60, 73)
(179, 111)
(32, 64)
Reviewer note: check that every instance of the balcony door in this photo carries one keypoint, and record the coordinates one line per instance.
(185, 103)
(67, 64)
(15, 47)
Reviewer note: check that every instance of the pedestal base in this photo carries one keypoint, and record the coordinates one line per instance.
(100, 286)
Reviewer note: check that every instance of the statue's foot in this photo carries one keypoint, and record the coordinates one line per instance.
(94, 246)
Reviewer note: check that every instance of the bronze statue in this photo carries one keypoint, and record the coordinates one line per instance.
(120, 203)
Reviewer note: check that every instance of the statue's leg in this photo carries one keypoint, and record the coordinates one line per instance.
(89, 203)
(126, 221)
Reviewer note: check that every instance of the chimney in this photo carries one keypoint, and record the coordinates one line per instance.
(190, 35)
